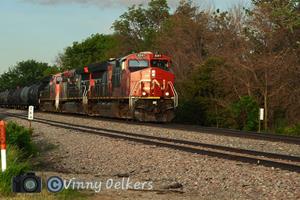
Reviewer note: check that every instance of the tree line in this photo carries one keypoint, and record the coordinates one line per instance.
(228, 64)
(25, 73)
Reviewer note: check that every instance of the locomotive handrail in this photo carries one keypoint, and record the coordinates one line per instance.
(130, 96)
(85, 88)
(84, 91)
(175, 94)
(84, 95)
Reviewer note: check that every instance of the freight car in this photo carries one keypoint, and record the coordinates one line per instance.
(22, 97)
(138, 86)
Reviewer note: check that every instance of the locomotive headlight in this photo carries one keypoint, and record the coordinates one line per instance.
(144, 93)
(153, 73)
(167, 94)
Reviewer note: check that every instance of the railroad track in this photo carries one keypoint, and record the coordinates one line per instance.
(281, 161)
(201, 129)
(247, 134)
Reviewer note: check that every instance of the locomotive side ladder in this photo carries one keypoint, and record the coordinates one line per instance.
(175, 98)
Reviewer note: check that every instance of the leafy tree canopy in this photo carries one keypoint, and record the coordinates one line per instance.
(96, 48)
(25, 73)
(138, 26)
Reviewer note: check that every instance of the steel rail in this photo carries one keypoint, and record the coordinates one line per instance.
(186, 146)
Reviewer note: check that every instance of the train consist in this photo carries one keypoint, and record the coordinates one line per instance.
(138, 86)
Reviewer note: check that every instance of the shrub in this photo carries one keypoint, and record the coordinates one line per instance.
(21, 138)
(289, 130)
(191, 112)
(245, 112)
(199, 95)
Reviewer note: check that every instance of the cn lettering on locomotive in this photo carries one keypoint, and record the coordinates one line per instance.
(138, 86)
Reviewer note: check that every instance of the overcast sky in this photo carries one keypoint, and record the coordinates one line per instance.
(40, 29)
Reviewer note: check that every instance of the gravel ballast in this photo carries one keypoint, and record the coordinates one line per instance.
(190, 175)
(157, 130)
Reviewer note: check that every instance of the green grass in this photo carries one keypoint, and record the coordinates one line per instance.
(20, 151)
(15, 166)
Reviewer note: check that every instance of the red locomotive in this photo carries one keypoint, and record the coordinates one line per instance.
(138, 86)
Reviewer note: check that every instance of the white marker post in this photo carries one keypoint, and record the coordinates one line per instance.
(30, 114)
(3, 145)
(261, 118)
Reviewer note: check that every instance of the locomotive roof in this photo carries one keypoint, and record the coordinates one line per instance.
(102, 66)
(146, 55)
(94, 67)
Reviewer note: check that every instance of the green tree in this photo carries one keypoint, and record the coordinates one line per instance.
(96, 48)
(245, 112)
(202, 98)
(29, 72)
(24, 73)
(138, 27)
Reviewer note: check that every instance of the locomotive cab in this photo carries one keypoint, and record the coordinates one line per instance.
(151, 90)
(150, 75)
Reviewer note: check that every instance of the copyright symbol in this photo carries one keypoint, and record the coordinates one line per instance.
(55, 184)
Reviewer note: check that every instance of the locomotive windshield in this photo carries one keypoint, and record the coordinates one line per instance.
(162, 64)
(138, 63)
